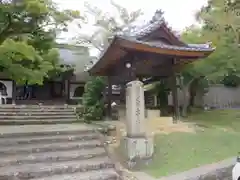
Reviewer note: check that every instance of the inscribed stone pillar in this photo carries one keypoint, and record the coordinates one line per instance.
(137, 144)
(135, 109)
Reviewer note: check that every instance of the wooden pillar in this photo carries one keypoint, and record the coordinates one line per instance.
(67, 90)
(14, 92)
(109, 99)
(176, 115)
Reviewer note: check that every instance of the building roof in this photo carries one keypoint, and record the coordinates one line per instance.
(120, 45)
(163, 45)
(156, 38)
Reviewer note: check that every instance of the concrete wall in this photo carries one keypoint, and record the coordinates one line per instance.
(218, 96)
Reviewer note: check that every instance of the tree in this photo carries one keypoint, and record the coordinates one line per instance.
(193, 75)
(28, 29)
(92, 99)
(106, 27)
(220, 25)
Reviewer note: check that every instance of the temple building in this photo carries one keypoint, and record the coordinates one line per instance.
(152, 53)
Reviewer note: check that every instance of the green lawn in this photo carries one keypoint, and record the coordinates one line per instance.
(217, 139)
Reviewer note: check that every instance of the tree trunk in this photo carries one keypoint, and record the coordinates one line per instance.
(185, 91)
(192, 91)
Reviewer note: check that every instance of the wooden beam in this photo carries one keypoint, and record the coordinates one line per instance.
(14, 92)
(109, 58)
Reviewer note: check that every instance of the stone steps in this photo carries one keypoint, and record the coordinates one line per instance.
(48, 147)
(26, 117)
(44, 143)
(56, 156)
(44, 130)
(10, 106)
(40, 170)
(35, 122)
(36, 113)
(7, 141)
(34, 110)
(43, 134)
(106, 174)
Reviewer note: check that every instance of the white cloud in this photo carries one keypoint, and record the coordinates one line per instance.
(179, 14)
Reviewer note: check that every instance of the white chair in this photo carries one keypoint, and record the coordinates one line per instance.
(3, 99)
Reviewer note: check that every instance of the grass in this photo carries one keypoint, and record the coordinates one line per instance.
(217, 139)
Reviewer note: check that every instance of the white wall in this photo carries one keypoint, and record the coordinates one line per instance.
(218, 96)
(180, 98)
(72, 90)
(9, 86)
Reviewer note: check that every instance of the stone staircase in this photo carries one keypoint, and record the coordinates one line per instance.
(36, 114)
(47, 151)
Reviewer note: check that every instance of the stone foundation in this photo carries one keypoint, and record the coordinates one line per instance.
(138, 148)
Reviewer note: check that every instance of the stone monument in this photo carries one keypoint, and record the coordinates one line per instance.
(137, 145)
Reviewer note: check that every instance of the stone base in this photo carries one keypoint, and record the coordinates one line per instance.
(137, 152)
(138, 148)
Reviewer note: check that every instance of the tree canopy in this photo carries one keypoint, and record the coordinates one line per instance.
(28, 30)
(221, 25)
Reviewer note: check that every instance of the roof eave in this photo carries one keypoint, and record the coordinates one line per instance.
(142, 46)
(103, 56)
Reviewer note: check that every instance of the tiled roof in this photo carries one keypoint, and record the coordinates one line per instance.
(160, 44)
(147, 29)
(151, 27)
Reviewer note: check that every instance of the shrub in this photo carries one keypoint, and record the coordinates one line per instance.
(93, 103)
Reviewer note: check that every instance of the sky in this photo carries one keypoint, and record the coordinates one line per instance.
(178, 13)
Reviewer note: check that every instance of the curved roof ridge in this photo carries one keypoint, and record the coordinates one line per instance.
(152, 26)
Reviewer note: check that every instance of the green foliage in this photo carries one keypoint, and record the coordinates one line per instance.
(201, 68)
(221, 25)
(93, 99)
(163, 91)
(28, 31)
(231, 80)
